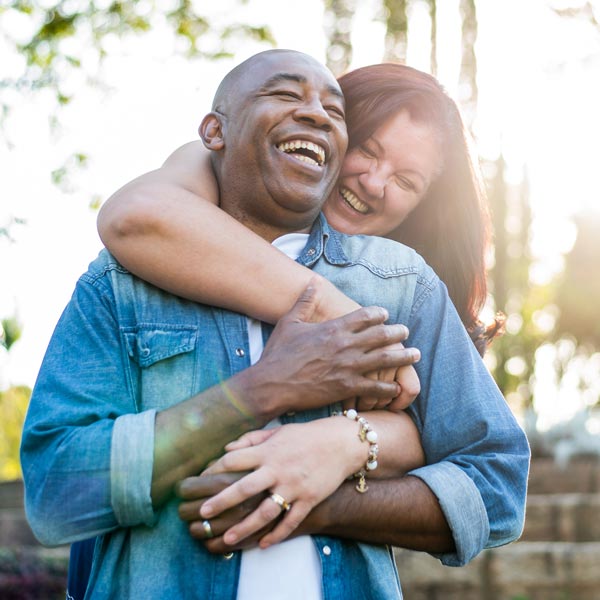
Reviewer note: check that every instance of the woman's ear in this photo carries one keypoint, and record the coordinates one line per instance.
(211, 131)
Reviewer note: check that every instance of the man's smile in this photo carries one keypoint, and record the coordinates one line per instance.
(305, 151)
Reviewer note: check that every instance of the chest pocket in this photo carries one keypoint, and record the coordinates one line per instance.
(164, 357)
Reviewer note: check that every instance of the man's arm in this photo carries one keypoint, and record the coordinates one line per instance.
(399, 512)
(89, 457)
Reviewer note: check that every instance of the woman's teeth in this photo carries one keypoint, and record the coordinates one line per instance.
(354, 202)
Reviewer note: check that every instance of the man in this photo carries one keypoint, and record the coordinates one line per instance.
(102, 410)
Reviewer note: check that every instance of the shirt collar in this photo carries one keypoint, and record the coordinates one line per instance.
(323, 240)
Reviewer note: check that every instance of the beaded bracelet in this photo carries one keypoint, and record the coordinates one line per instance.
(365, 433)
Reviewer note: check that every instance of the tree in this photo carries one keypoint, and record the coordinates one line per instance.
(468, 65)
(339, 15)
(396, 34)
(433, 37)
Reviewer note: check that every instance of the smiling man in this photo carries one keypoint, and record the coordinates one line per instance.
(107, 435)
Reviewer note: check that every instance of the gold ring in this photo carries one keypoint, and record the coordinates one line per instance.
(281, 501)
(207, 529)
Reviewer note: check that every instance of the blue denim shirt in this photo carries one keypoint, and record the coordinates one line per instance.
(124, 349)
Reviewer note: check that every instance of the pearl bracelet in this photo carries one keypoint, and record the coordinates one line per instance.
(365, 434)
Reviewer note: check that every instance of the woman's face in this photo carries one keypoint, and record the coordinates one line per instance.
(383, 179)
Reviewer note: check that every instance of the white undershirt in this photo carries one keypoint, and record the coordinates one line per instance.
(290, 570)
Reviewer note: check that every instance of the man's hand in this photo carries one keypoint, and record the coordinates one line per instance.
(195, 491)
(306, 365)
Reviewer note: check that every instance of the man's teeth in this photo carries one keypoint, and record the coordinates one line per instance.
(295, 146)
(354, 202)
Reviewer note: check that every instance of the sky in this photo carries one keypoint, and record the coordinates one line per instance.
(539, 92)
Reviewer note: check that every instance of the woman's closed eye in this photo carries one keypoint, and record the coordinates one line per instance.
(366, 151)
(405, 183)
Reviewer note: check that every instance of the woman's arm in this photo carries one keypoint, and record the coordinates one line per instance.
(163, 225)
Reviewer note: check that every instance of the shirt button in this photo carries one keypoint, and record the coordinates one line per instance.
(310, 251)
(240, 352)
(228, 556)
(146, 352)
(326, 550)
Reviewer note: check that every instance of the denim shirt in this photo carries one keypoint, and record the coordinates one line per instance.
(123, 350)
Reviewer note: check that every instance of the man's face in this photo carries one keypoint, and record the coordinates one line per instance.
(284, 142)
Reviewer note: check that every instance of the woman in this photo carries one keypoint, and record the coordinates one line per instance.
(407, 175)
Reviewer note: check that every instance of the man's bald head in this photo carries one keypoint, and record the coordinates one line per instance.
(278, 134)
(232, 88)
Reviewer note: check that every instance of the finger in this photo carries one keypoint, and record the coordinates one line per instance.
(287, 525)
(382, 335)
(365, 404)
(410, 386)
(252, 438)
(189, 511)
(241, 490)
(362, 318)
(387, 358)
(266, 512)
(193, 488)
(235, 461)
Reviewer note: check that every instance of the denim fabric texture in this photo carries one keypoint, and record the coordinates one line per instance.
(123, 350)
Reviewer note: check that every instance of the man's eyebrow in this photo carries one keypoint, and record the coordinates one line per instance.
(279, 77)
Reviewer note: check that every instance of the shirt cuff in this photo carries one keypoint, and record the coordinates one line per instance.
(131, 463)
(463, 508)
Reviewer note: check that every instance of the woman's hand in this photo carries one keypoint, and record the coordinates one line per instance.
(302, 463)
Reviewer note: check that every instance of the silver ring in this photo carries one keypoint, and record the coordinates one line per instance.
(281, 501)
(207, 529)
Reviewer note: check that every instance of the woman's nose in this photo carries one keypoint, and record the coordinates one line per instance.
(373, 182)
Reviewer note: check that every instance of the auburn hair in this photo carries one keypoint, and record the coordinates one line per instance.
(450, 227)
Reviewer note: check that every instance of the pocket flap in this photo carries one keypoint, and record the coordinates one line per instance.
(147, 344)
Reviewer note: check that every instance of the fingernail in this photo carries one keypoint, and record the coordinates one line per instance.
(206, 511)
(416, 354)
(230, 538)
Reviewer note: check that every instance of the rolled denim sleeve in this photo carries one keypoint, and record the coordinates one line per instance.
(76, 421)
(477, 454)
(131, 468)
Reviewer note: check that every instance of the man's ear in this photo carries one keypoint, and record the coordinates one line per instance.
(211, 131)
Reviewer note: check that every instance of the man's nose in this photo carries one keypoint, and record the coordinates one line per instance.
(312, 111)
(373, 182)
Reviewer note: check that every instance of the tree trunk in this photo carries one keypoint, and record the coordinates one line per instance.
(396, 35)
(433, 53)
(468, 66)
(338, 27)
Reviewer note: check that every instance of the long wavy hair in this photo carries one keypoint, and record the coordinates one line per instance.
(451, 225)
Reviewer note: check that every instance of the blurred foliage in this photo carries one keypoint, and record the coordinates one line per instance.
(10, 332)
(6, 229)
(578, 294)
(65, 34)
(13, 407)
(69, 36)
